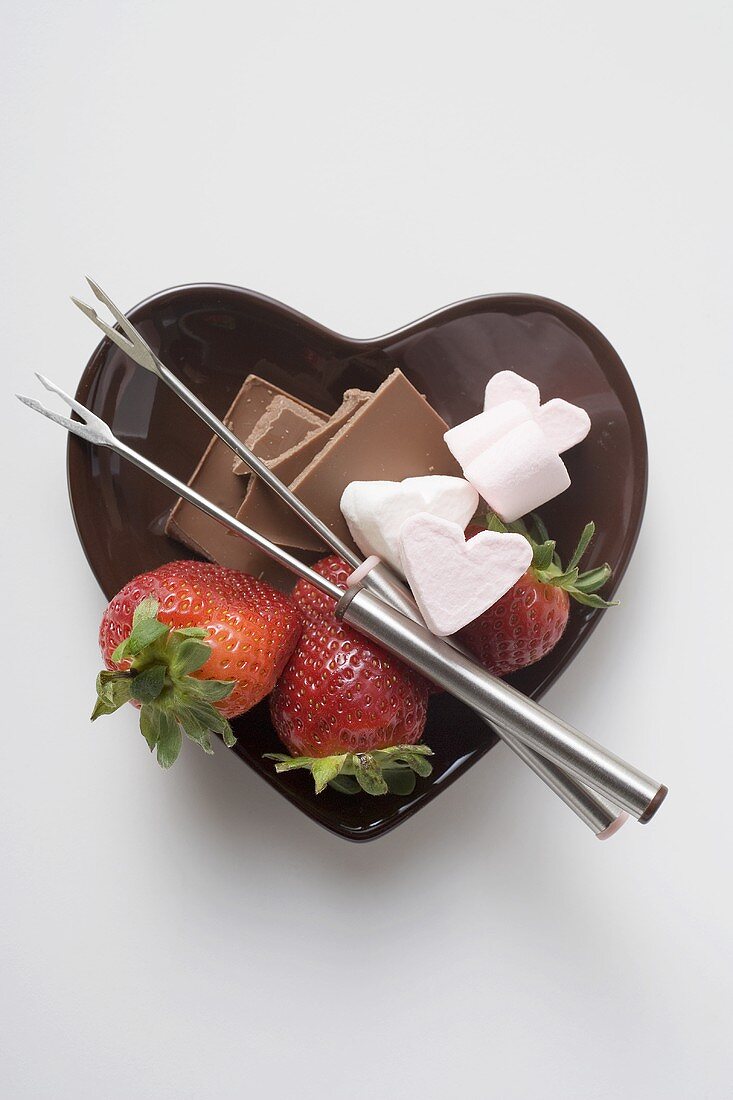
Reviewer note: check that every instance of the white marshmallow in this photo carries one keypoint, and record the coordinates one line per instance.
(468, 440)
(454, 581)
(519, 473)
(508, 386)
(376, 510)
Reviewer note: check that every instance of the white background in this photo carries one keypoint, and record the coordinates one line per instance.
(189, 934)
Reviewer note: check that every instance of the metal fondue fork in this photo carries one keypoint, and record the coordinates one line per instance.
(489, 697)
(598, 816)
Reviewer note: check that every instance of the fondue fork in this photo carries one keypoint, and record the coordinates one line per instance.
(535, 727)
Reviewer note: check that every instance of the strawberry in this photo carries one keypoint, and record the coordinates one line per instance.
(192, 644)
(529, 620)
(348, 711)
(315, 606)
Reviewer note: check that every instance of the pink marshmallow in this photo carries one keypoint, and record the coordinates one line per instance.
(454, 581)
(563, 424)
(519, 473)
(468, 440)
(508, 386)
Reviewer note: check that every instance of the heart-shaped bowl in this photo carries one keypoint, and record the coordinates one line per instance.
(212, 336)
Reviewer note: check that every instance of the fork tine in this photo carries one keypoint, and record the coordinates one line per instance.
(87, 416)
(116, 312)
(124, 322)
(90, 432)
(91, 427)
(111, 333)
(64, 421)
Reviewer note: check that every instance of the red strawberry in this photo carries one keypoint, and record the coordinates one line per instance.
(315, 606)
(192, 644)
(346, 709)
(529, 620)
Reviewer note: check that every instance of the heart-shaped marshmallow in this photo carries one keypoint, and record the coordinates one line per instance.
(564, 424)
(511, 451)
(454, 581)
(509, 386)
(376, 510)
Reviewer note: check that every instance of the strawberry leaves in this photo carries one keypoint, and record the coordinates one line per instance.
(162, 733)
(159, 677)
(148, 684)
(546, 564)
(146, 629)
(587, 534)
(113, 689)
(189, 655)
(392, 770)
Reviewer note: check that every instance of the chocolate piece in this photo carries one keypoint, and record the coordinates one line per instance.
(263, 502)
(394, 435)
(213, 478)
(289, 463)
(284, 424)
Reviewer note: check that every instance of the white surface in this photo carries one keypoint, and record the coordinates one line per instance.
(190, 934)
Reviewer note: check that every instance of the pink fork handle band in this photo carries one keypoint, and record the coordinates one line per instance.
(614, 827)
(361, 571)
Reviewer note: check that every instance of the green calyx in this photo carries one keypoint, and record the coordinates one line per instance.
(172, 701)
(546, 564)
(393, 770)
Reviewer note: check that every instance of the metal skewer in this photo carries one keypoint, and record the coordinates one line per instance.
(536, 727)
(603, 818)
(600, 817)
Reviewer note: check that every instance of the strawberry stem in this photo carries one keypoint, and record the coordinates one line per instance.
(546, 564)
(172, 701)
(391, 770)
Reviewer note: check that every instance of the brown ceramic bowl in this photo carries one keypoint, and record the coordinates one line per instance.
(213, 336)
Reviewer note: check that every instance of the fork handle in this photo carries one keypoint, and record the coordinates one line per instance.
(602, 819)
(495, 700)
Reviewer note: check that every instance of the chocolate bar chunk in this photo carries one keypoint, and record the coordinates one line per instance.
(214, 478)
(284, 424)
(393, 435)
(263, 502)
(292, 460)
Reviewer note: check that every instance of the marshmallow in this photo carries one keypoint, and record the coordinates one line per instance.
(519, 473)
(376, 510)
(511, 451)
(454, 581)
(508, 386)
(468, 440)
(563, 424)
